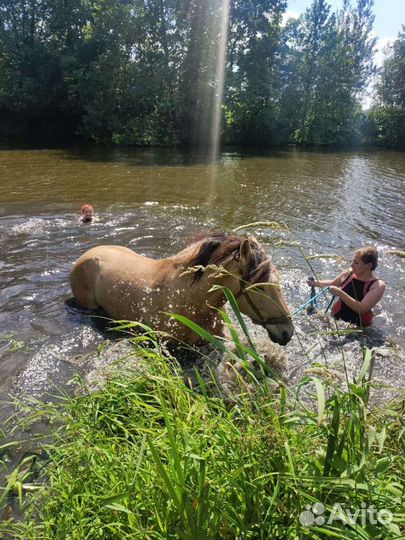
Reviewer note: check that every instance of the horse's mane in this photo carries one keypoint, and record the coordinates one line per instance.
(217, 247)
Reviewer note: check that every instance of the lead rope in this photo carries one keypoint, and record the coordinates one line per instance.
(311, 301)
(345, 282)
(278, 320)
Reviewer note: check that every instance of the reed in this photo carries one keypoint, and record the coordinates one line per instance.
(149, 457)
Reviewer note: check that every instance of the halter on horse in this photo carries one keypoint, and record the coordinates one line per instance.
(132, 287)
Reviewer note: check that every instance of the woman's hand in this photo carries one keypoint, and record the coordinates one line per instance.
(311, 281)
(335, 290)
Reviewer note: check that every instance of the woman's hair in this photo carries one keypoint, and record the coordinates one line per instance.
(86, 207)
(368, 254)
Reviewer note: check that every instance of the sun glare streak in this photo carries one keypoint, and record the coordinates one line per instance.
(214, 132)
(216, 115)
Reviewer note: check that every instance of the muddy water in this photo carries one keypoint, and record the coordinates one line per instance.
(153, 201)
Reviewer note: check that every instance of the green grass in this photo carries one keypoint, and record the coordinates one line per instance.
(147, 457)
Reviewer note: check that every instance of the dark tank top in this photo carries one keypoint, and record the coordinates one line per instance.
(357, 289)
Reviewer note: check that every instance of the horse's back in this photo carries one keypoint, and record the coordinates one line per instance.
(103, 273)
(115, 256)
(106, 252)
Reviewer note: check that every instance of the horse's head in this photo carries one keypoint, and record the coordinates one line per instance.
(259, 296)
(253, 280)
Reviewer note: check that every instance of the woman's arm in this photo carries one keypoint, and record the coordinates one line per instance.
(372, 297)
(328, 282)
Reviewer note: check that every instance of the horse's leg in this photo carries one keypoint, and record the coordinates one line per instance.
(83, 280)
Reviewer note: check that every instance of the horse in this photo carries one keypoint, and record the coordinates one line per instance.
(129, 286)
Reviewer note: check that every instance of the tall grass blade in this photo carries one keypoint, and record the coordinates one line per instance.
(235, 308)
(332, 437)
(320, 392)
(368, 354)
(162, 471)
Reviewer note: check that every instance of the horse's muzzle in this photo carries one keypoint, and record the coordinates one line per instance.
(280, 334)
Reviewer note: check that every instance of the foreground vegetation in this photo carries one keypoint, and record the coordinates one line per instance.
(140, 72)
(149, 457)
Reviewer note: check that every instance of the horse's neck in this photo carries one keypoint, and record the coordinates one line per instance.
(202, 286)
(176, 272)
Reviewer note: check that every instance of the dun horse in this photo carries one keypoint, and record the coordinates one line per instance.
(132, 287)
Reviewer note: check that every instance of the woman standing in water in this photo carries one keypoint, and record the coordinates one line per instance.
(358, 290)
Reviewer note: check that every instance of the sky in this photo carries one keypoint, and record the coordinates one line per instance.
(389, 16)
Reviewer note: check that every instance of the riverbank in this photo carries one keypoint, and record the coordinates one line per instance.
(148, 456)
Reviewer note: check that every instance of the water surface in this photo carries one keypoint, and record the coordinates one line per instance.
(153, 201)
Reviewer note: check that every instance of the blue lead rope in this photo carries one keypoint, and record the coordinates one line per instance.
(312, 301)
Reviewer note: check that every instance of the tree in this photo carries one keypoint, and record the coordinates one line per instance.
(30, 71)
(148, 72)
(391, 85)
(386, 119)
(252, 92)
(329, 59)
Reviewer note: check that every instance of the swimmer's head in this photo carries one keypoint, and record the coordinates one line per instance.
(87, 213)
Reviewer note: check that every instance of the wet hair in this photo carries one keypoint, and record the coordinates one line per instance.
(368, 254)
(86, 207)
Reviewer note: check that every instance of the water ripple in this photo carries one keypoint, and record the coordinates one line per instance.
(154, 203)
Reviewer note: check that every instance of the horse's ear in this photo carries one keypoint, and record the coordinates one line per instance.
(245, 258)
(252, 238)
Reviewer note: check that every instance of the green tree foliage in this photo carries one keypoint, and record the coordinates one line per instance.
(386, 120)
(309, 40)
(198, 82)
(328, 62)
(252, 83)
(146, 72)
(30, 72)
(391, 86)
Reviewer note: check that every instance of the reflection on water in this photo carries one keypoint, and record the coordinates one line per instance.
(154, 201)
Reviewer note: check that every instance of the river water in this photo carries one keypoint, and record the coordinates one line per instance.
(154, 201)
